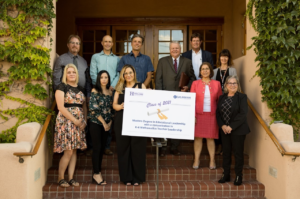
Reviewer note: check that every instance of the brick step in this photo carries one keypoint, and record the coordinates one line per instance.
(169, 160)
(84, 174)
(179, 189)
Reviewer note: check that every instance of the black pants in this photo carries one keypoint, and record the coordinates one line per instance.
(99, 137)
(219, 141)
(131, 158)
(236, 142)
(88, 137)
(174, 143)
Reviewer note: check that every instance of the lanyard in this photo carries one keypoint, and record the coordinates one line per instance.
(222, 77)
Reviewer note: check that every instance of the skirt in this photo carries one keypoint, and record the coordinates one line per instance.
(206, 126)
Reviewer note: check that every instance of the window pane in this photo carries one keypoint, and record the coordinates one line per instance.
(162, 55)
(88, 58)
(199, 31)
(211, 35)
(99, 47)
(177, 35)
(181, 45)
(211, 47)
(121, 47)
(88, 35)
(163, 47)
(100, 34)
(131, 33)
(129, 47)
(88, 47)
(164, 35)
(121, 35)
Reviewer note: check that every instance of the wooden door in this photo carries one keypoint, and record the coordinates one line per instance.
(212, 39)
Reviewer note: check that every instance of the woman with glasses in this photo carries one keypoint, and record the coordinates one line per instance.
(131, 150)
(232, 118)
(207, 92)
(223, 70)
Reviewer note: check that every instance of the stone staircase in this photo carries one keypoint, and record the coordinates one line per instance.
(177, 179)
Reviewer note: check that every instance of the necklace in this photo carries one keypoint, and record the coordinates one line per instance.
(206, 83)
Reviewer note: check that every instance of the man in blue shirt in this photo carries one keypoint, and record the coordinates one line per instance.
(142, 63)
(105, 60)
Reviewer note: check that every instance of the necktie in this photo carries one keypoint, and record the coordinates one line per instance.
(175, 65)
(75, 61)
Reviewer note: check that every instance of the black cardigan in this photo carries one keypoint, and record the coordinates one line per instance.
(238, 116)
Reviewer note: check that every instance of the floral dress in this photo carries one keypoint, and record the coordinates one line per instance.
(67, 135)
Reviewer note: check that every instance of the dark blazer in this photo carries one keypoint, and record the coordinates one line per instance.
(238, 116)
(206, 56)
(167, 79)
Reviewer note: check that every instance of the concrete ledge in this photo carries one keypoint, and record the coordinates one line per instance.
(28, 132)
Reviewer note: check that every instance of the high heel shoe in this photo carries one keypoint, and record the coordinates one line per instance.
(224, 178)
(213, 167)
(196, 167)
(238, 180)
(99, 183)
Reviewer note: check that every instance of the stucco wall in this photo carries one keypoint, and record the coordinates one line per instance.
(68, 10)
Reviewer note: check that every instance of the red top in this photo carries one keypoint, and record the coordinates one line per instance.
(198, 87)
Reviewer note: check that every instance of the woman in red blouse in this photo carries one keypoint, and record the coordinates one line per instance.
(207, 92)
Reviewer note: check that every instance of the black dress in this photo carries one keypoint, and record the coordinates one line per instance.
(131, 150)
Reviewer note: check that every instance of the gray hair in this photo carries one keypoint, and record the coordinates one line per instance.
(138, 35)
(175, 42)
(237, 81)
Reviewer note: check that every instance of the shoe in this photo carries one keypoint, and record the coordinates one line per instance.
(136, 184)
(213, 167)
(196, 167)
(63, 183)
(162, 153)
(108, 152)
(73, 183)
(224, 178)
(99, 183)
(89, 152)
(238, 180)
(127, 183)
(175, 152)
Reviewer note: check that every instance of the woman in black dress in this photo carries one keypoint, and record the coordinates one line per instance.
(131, 150)
(232, 118)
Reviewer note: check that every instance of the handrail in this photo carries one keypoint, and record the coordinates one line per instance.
(40, 138)
(271, 135)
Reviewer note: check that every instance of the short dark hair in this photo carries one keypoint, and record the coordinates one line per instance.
(196, 35)
(226, 53)
(138, 35)
(98, 84)
(74, 36)
(211, 74)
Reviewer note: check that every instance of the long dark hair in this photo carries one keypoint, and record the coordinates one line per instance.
(226, 53)
(98, 84)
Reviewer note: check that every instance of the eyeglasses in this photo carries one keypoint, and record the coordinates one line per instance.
(232, 84)
(204, 68)
(72, 42)
(130, 73)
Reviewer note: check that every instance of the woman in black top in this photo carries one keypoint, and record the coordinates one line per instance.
(232, 118)
(100, 120)
(131, 150)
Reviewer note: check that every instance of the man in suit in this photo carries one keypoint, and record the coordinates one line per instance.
(167, 77)
(197, 55)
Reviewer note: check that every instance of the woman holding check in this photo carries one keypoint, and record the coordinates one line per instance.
(232, 118)
(131, 150)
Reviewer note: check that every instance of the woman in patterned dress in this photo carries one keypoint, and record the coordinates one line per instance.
(70, 123)
(100, 120)
(207, 92)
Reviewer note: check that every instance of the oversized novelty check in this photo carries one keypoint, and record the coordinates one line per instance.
(159, 114)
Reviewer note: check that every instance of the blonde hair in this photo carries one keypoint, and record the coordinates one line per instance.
(122, 82)
(64, 78)
(237, 81)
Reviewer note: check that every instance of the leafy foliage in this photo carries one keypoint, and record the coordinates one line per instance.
(278, 51)
(27, 23)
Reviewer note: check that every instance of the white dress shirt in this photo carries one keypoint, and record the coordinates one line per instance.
(206, 103)
(197, 61)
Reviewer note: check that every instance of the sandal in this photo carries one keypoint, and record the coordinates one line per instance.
(136, 184)
(100, 183)
(127, 183)
(63, 183)
(73, 183)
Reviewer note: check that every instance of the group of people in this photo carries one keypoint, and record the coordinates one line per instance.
(91, 99)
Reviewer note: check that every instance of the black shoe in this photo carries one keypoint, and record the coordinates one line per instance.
(162, 152)
(224, 178)
(238, 180)
(175, 152)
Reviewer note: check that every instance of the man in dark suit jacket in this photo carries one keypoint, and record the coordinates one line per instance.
(167, 77)
(197, 55)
